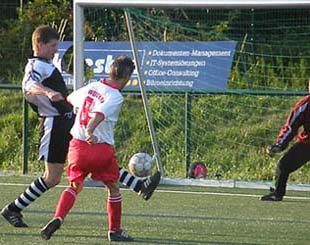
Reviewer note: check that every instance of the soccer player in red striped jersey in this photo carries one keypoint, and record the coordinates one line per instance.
(298, 155)
(91, 149)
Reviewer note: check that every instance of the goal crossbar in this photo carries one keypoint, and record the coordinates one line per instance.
(196, 3)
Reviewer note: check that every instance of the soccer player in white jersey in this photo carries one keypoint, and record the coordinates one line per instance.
(45, 90)
(91, 149)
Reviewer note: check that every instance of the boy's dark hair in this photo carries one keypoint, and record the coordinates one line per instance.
(122, 67)
(43, 34)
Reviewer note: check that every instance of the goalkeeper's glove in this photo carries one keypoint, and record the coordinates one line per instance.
(273, 149)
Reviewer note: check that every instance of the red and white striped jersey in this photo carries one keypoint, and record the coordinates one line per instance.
(98, 97)
(299, 116)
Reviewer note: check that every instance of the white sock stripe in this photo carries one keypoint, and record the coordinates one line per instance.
(115, 201)
(18, 204)
(125, 181)
(25, 199)
(121, 172)
(134, 183)
(36, 189)
(71, 191)
(115, 198)
(42, 183)
(33, 196)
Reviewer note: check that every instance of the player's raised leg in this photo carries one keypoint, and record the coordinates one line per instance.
(129, 180)
(143, 187)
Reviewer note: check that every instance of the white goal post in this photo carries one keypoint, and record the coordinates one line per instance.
(78, 38)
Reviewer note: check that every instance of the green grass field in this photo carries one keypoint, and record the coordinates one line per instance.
(174, 215)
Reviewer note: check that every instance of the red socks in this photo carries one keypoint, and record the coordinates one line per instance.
(65, 203)
(114, 210)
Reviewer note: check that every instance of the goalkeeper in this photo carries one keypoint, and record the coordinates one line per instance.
(298, 154)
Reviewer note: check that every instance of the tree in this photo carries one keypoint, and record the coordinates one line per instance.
(16, 44)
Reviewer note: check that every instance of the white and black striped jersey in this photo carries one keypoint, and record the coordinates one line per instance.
(40, 70)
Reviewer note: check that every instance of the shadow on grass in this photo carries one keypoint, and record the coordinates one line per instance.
(175, 241)
(182, 217)
(63, 238)
(56, 237)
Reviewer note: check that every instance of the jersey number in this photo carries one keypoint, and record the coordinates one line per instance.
(84, 116)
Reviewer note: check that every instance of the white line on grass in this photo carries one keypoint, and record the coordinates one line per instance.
(174, 191)
(227, 194)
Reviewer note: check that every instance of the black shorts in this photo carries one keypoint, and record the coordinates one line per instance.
(54, 138)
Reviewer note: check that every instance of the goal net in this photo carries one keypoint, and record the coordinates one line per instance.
(220, 82)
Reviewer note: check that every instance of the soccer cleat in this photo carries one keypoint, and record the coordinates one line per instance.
(272, 197)
(149, 185)
(48, 230)
(120, 236)
(14, 218)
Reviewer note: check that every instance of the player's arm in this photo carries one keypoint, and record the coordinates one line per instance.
(32, 83)
(38, 89)
(91, 126)
(290, 128)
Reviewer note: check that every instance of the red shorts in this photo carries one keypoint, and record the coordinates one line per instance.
(98, 160)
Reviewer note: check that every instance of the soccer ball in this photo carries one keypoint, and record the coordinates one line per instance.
(140, 164)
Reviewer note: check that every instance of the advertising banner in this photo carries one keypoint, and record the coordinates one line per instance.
(165, 66)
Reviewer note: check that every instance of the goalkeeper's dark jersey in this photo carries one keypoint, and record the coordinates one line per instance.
(299, 116)
(40, 70)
